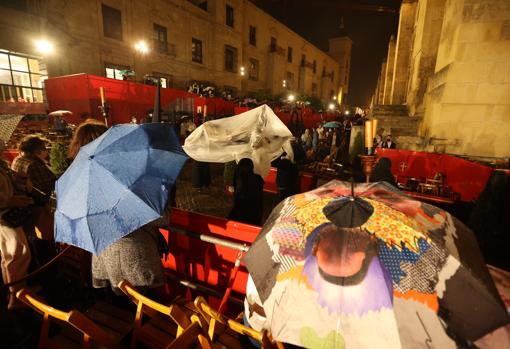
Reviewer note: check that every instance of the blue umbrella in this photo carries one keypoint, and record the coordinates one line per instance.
(332, 124)
(116, 184)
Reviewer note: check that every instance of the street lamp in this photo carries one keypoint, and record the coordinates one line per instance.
(284, 83)
(331, 106)
(242, 71)
(141, 46)
(334, 97)
(291, 98)
(44, 46)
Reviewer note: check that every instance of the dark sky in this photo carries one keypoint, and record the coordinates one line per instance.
(370, 31)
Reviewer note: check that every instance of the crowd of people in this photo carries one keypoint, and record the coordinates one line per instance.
(26, 185)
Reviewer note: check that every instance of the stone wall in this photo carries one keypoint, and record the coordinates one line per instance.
(468, 98)
(403, 52)
(427, 31)
(388, 80)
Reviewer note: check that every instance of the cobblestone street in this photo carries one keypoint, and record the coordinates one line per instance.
(212, 201)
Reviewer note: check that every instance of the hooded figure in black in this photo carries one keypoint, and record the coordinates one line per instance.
(248, 194)
(382, 172)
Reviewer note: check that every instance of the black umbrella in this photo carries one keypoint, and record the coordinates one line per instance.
(348, 211)
(156, 114)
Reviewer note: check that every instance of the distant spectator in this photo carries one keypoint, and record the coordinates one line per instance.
(382, 172)
(378, 142)
(248, 194)
(315, 139)
(200, 175)
(31, 163)
(287, 177)
(306, 139)
(14, 248)
(59, 125)
(84, 134)
(389, 143)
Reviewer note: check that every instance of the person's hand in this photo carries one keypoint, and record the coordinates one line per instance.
(20, 201)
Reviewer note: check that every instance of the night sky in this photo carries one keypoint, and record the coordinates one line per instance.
(370, 31)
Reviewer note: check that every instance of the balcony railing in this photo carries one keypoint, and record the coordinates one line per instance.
(277, 49)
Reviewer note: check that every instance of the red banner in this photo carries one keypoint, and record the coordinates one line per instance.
(462, 176)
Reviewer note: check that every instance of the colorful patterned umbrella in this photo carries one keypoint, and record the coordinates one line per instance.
(410, 276)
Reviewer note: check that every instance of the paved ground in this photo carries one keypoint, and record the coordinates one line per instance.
(213, 200)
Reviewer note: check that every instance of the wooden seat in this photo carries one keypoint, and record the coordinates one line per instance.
(159, 332)
(225, 331)
(78, 331)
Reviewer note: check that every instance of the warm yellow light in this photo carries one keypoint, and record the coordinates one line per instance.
(44, 46)
(346, 112)
(331, 106)
(291, 98)
(334, 97)
(141, 46)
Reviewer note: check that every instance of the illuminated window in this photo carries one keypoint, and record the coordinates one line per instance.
(21, 77)
(118, 72)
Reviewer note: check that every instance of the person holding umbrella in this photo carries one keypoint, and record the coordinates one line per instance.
(109, 200)
(14, 248)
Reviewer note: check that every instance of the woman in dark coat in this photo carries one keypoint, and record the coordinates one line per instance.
(200, 175)
(382, 172)
(248, 194)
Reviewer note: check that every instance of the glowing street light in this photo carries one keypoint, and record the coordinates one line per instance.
(141, 46)
(44, 46)
(346, 112)
(242, 71)
(291, 98)
(331, 106)
(334, 97)
(284, 83)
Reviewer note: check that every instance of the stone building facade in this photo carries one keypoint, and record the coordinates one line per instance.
(230, 43)
(451, 69)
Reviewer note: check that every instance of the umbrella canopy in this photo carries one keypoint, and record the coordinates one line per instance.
(332, 124)
(405, 277)
(116, 184)
(60, 113)
(257, 134)
(8, 124)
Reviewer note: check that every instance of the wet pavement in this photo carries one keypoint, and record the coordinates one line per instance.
(213, 200)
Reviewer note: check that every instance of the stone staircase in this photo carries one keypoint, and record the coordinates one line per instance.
(395, 120)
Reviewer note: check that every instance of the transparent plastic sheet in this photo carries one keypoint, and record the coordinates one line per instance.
(257, 134)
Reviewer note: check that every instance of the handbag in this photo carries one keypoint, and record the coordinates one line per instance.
(17, 216)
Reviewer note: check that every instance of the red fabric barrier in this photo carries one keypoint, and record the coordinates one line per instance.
(307, 181)
(464, 177)
(198, 260)
(80, 94)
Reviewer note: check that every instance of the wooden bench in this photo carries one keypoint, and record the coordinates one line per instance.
(169, 327)
(225, 331)
(77, 330)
